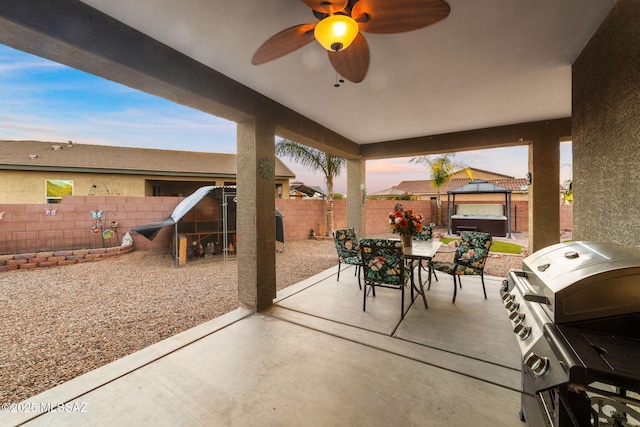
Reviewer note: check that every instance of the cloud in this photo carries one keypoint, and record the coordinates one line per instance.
(32, 65)
(162, 121)
(394, 166)
(26, 127)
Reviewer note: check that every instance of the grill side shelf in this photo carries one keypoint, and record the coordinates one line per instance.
(597, 350)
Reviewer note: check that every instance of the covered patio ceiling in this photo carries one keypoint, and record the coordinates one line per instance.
(491, 63)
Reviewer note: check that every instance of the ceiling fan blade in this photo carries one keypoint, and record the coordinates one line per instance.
(286, 41)
(326, 6)
(352, 63)
(385, 17)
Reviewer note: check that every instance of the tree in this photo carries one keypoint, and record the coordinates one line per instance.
(442, 168)
(316, 160)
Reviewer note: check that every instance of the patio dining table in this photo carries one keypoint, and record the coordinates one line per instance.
(421, 250)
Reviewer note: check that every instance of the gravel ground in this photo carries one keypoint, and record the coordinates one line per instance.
(59, 323)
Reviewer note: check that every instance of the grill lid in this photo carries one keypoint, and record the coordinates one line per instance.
(584, 280)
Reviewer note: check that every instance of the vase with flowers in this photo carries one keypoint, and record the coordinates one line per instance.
(407, 223)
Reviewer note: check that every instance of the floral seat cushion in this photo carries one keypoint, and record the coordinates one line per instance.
(473, 264)
(383, 262)
(471, 255)
(354, 260)
(347, 246)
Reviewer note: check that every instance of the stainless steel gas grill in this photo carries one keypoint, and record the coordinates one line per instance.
(575, 309)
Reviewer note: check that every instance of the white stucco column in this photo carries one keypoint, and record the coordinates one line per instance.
(356, 194)
(256, 225)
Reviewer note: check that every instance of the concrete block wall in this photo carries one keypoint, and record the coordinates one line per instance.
(300, 216)
(68, 225)
(339, 215)
(28, 228)
(378, 213)
(519, 214)
(566, 217)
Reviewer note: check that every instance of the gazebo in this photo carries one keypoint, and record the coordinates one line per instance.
(490, 218)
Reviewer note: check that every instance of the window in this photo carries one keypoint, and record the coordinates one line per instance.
(156, 190)
(56, 188)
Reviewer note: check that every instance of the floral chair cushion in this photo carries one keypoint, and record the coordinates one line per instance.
(383, 262)
(347, 246)
(425, 234)
(470, 257)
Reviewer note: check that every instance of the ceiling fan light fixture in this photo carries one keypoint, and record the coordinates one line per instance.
(336, 32)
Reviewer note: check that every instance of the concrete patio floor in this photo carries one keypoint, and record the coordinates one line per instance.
(314, 359)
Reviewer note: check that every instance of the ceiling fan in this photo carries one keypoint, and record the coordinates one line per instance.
(340, 27)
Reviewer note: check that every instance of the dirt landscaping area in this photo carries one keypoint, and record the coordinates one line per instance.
(61, 322)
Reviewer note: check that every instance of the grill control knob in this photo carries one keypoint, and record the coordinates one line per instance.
(507, 298)
(512, 306)
(516, 317)
(522, 331)
(538, 365)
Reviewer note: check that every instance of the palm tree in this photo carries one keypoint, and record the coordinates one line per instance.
(316, 160)
(442, 167)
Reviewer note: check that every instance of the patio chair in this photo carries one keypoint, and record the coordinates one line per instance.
(348, 250)
(384, 266)
(425, 234)
(469, 259)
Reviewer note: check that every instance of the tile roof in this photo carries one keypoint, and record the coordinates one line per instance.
(425, 187)
(475, 171)
(39, 155)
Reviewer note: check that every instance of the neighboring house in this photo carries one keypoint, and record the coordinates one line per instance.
(389, 194)
(42, 172)
(424, 190)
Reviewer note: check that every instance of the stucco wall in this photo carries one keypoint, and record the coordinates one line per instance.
(28, 187)
(606, 131)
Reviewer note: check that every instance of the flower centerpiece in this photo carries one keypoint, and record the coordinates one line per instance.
(407, 223)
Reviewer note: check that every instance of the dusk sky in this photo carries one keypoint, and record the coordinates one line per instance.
(44, 101)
